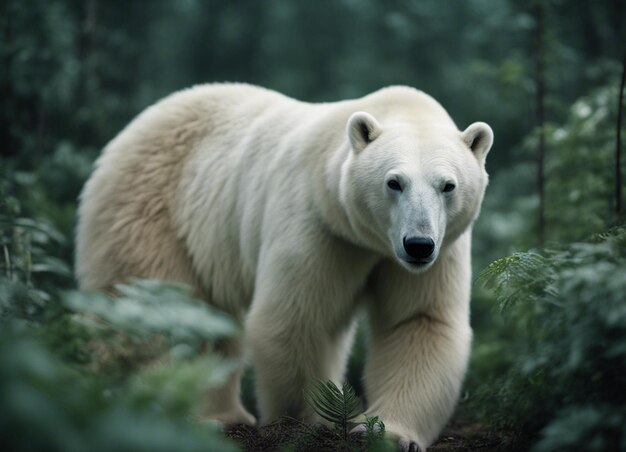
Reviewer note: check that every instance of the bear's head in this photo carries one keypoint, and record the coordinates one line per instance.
(412, 187)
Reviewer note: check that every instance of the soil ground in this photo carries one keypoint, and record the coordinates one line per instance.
(288, 434)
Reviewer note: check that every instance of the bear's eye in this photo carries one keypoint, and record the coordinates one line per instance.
(448, 188)
(394, 185)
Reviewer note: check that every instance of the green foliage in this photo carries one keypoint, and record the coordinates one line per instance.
(597, 427)
(34, 241)
(25, 243)
(337, 406)
(147, 307)
(580, 168)
(342, 408)
(152, 334)
(57, 397)
(48, 406)
(567, 351)
(89, 371)
(374, 432)
(176, 387)
(518, 275)
(580, 180)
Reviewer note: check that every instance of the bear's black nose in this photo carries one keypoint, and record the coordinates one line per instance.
(418, 247)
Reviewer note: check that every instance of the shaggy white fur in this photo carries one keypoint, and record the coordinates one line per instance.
(290, 216)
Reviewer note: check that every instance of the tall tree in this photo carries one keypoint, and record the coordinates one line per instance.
(538, 12)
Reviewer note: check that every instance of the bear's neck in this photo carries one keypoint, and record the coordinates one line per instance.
(336, 149)
(328, 193)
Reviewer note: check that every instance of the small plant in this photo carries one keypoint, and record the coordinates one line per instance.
(337, 406)
(342, 408)
(374, 429)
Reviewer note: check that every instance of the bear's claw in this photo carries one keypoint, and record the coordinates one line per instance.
(404, 445)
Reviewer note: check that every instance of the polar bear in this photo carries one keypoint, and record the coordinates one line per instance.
(292, 216)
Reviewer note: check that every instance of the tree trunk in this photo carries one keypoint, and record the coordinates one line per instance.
(538, 12)
(618, 146)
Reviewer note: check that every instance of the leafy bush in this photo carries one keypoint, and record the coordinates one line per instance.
(566, 314)
(48, 406)
(147, 307)
(88, 371)
(53, 401)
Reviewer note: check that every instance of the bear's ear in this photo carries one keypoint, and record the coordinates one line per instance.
(362, 130)
(479, 138)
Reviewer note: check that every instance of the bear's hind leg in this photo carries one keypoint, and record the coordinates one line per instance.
(223, 403)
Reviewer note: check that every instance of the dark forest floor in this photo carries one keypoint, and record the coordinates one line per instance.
(293, 435)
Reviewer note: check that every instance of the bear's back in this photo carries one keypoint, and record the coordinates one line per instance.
(125, 205)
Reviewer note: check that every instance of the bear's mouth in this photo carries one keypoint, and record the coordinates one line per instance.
(417, 265)
(418, 262)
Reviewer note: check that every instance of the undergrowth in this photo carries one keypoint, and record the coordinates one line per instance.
(565, 310)
(86, 371)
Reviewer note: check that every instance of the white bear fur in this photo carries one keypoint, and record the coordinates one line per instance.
(278, 212)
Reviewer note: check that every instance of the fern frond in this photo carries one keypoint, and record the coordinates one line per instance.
(521, 275)
(337, 406)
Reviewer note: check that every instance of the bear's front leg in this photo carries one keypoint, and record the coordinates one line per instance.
(414, 376)
(420, 347)
(300, 326)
